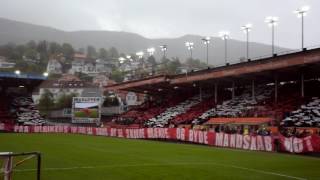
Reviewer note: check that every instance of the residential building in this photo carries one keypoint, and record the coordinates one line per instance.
(54, 67)
(5, 64)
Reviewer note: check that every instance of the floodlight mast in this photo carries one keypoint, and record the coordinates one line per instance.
(164, 49)
(121, 60)
(246, 29)
(206, 41)
(151, 51)
(272, 22)
(140, 54)
(189, 45)
(17, 72)
(301, 12)
(225, 35)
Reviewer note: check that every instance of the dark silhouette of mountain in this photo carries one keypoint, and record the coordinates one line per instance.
(19, 33)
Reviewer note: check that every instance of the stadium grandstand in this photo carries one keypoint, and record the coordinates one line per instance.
(282, 88)
(133, 90)
(17, 106)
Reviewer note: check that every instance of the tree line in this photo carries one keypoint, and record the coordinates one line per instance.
(34, 56)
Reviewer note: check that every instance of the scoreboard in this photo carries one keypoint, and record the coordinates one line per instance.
(86, 110)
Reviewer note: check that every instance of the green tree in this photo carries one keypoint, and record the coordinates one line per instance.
(32, 45)
(173, 66)
(163, 66)
(67, 51)
(10, 51)
(43, 51)
(103, 53)
(46, 101)
(91, 52)
(113, 52)
(31, 53)
(195, 64)
(152, 62)
(117, 75)
(65, 101)
(54, 48)
(20, 49)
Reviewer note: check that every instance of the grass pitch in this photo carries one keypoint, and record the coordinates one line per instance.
(81, 157)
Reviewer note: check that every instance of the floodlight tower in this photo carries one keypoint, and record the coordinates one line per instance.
(121, 60)
(206, 41)
(246, 29)
(151, 51)
(140, 54)
(189, 45)
(129, 58)
(301, 12)
(225, 35)
(272, 22)
(17, 72)
(164, 49)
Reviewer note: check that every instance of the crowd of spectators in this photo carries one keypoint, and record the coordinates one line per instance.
(308, 115)
(294, 132)
(25, 111)
(162, 119)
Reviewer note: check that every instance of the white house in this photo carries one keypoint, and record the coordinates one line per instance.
(58, 88)
(54, 67)
(90, 67)
(132, 99)
(5, 64)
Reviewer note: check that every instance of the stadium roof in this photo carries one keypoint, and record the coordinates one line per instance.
(10, 79)
(248, 121)
(22, 76)
(287, 67)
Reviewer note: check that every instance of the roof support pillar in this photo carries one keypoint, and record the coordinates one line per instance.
(233, 89)
(276, 89)
(200, 92)
(253, 90)
(216, 93)
(302, 85)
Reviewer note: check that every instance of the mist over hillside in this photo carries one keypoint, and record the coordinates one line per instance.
(19, 33)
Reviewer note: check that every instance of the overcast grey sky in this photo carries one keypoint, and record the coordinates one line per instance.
(172, 18)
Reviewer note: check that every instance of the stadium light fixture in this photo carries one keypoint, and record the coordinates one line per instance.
(164, 49)
(225, 35)
(206, 41)
(301, 12)
(129, 58)
(151, 51)
(189, 45)
(272, 22)
(45, 74)
(140, 54)
(246, 29)
(17, 72)
(121, 60)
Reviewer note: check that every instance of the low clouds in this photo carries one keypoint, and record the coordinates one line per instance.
(171, 18)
